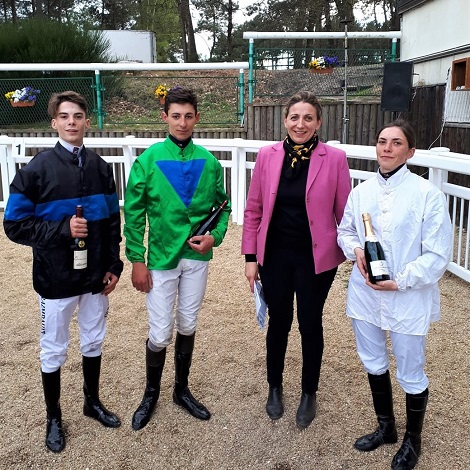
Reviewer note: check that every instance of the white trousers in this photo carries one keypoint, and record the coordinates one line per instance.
(409, 352)
(56, 315)
(187, 282)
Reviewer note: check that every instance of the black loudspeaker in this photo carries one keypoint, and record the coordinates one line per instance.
(396, 86)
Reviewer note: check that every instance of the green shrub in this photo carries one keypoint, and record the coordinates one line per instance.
(48, 41)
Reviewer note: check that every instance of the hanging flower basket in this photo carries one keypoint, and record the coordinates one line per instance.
(325, 70)
(323, 64)
(161, 93)
(22, 104)
(22, 98)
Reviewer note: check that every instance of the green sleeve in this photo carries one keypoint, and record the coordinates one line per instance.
(222, 224)
(135, 211)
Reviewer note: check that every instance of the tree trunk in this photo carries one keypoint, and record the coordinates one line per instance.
(14, 17)
(188, 41)
(230, 30)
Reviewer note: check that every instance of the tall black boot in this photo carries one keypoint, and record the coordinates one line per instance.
(386, 433)
(55, 439)
(407, 456)
(184, 346)
(155, 361)
(92, 406)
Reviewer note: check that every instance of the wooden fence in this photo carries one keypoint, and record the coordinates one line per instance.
(265, 122)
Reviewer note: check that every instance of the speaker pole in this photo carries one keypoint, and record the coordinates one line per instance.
(344, 139)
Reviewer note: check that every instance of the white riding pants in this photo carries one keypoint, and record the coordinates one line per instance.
(187, 283)
(409, 352)
(56, 315)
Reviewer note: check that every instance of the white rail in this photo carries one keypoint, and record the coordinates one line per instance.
(232, 153)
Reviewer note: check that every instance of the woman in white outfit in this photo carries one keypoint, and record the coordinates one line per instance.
(411, 220)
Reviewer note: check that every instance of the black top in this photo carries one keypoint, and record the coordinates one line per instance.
(289, 222)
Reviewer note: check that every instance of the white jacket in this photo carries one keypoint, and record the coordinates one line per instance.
(411, 220)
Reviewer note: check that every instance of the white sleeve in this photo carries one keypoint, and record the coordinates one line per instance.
(348, 238)
(436, 244)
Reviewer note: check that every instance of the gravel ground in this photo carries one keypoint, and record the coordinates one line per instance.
(228, 376)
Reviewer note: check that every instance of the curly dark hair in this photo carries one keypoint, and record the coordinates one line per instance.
(178, 94)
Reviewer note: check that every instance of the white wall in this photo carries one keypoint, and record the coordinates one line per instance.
(139, 46)
(437, 26)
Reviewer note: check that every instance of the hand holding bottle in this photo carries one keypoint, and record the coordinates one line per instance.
(201, 243)
(376, 263)
(361, 262)
(79, 230)
(78, 227)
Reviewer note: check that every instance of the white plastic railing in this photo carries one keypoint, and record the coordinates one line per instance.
(232, 153)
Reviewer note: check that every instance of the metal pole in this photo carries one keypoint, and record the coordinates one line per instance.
(98, 99)
(250, 70)
(344, 138)
(394, 49)
(241, 106)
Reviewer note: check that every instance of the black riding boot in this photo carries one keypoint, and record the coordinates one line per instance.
(55, 439)
(386, 433)
(184, 346)
(407, 456)
(155, 361)
(92, 406)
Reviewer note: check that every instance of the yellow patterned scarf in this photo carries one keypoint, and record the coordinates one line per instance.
(298, 153)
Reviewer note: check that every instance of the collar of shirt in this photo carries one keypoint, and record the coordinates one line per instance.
(69, 147)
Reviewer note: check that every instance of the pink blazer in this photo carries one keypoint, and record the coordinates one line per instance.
(328, 187)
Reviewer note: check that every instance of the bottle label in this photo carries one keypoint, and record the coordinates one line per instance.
(379, 268)
(80, 259)
(371, 238)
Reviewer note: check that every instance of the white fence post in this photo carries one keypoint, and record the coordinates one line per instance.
(129, 153)
(5, 149)
(438, 176)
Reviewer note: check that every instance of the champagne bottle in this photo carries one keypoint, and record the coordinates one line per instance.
(80, 249)
(375, 258)
(208, 224)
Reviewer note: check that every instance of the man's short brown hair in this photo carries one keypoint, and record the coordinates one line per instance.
(72, 96)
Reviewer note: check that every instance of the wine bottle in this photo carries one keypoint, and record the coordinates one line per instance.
(208, 224)
(80, 254)
(375, 258)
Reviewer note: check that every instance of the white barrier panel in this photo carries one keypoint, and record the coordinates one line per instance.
(438, 162)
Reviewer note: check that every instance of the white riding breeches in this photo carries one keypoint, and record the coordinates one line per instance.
(56, 315)
(186, 284)
(409, 352)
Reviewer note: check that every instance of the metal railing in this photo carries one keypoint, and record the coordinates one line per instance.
(232, 153)
(134, 98)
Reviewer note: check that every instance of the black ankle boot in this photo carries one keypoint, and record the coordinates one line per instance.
(155, 361)
(55, 439)
(92, 407)
(307, 410)
(274, 405)
(386, 433)
(407, 456)
(182, 396)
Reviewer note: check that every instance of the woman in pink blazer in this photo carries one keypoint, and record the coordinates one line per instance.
(295, 202)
